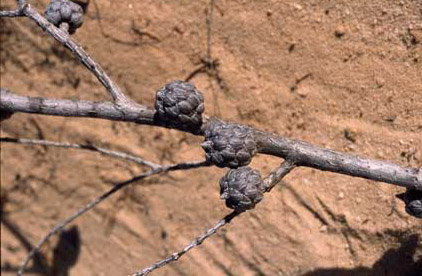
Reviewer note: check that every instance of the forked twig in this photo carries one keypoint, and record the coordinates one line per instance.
(89, 147)
(95, 202)
(63, 37)
(274, 177)
(270, 181)
(175, 256)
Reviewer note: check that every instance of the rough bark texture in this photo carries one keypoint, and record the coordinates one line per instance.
(305, 154)
(226, 144)
(76, 108)
(362, 97)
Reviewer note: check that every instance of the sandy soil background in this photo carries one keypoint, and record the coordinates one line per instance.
(346, 75)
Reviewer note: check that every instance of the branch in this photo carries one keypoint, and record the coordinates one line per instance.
(15, 13)
(305, 154)
(63, 37)
(89, 147)
(124, 109)
(296, 153)
(95, 202)
(21, 3)
(210, 12)
(175, 256)
(302, 153)
(76, 108)
(274, 177)
(271, 180)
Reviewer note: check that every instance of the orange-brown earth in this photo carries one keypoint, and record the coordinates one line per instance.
(346, 75)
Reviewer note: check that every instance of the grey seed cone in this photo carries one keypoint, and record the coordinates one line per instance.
(64, 11)
(413, 201)
(228, 145)
(241, 188)
(179, 104)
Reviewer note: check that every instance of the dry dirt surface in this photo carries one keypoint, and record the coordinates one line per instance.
(346, 75)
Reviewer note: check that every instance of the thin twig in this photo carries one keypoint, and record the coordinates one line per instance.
(209, 25)
(272, 179)
(175, 256)
(76, 108)
(40, 262)
(15, 13)
(209, 65)
(88, 147)
(63, 37)
(64, 27)
(95, 202)
(21, 3)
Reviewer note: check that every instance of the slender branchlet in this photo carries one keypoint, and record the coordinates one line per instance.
(64, 38)
(89, 147)
(175, 256)
(249, 178)
(57, 228)
(14, 13)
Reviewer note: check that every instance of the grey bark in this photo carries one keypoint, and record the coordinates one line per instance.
(270, 181)
(296, 153)
(305, 154)
(76, 108)
(63, 37)
(299, 152)
(124, 109)
(15, 13)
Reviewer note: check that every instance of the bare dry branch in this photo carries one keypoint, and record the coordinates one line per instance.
(270, 181)
(15, 13)
(305, 154)
(302, 153)
(64, 38)
(124, 109)
(21, 3)
(210, 13)
(71, 108)
(274, 177)
(175, 256)
(95, 202)
(89, 147)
